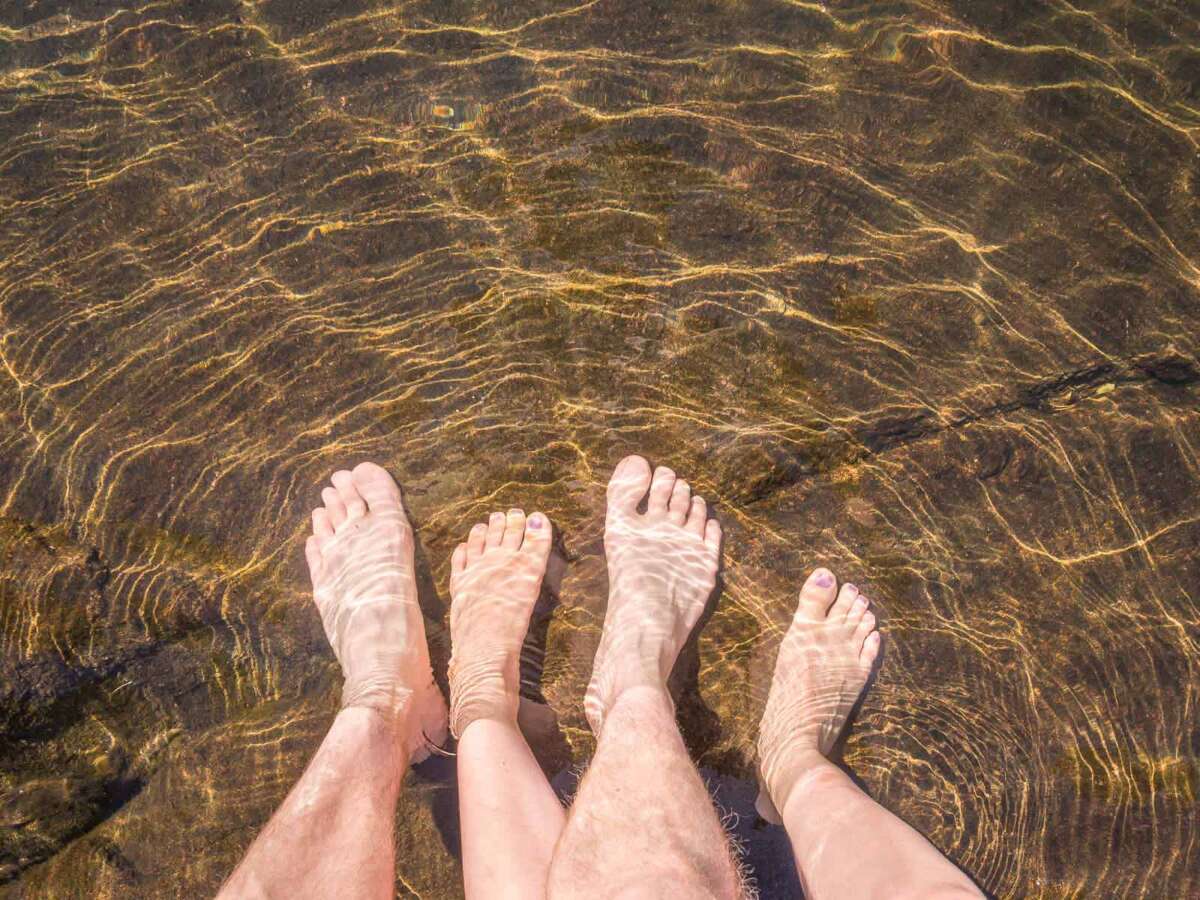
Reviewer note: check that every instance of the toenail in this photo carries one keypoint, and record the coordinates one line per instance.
(850, 587)
(823, 578)
(535, 521)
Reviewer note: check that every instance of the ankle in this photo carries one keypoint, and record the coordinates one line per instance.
(787, 779)
(642, 696)
(483, 688)
(464, 712)
(385, 730)
(491, 721)
(383, 694)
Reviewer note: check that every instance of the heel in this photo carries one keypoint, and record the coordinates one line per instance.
(765, 807)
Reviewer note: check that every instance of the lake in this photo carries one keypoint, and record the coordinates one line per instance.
(907, 289)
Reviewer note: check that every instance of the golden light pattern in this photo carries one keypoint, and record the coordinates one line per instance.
(909, 290)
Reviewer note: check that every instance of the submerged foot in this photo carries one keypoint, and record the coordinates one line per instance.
(495, 577)
(360, 557)
(821, 669)
(662, 567)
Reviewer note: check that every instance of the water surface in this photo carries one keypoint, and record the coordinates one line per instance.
(908, 289)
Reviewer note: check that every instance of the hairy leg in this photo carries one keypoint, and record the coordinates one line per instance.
(643, 824)
(333, 835)
(510, 817)
(846, 845)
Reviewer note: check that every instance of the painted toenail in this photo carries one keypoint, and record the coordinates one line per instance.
(535, 521)
(850, 587)
(823, 579)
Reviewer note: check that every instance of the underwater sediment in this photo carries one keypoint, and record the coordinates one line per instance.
(910, 290)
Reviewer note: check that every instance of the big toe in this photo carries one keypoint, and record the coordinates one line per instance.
(817, 595)
(629, 483)
(537, 537)
(377, 487)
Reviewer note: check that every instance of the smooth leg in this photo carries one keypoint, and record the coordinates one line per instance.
(333, 835)
(845, 844)
(510, 816)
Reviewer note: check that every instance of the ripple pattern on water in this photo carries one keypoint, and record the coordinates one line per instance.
(910, 290)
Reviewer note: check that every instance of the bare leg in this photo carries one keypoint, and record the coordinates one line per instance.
(332, 837)
(643, 824)
(510, 817)
(846, 845)
(333, 834)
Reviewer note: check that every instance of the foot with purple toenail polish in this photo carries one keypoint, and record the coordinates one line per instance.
(821, 669)
(495, 578)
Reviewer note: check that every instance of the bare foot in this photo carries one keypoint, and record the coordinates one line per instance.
(821, 669)
(360, 557)
(662, 566)
(495, 577)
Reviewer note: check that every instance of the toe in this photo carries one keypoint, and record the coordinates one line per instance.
(514, 529)
(628, 484)
(866, 627)
(322, 527)
(377, 488)
(870, 649)
(458, 559)
(334, 506)
(817, 594)
(855, 613)
(475, 541)
(712, 534)
(697, 516)
(495, 530)
(660, 491)
(844, 602)
(312, 553)
(680, 502)
(537, 536)
(356, 506)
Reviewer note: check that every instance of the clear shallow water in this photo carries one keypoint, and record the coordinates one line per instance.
(909, 289)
